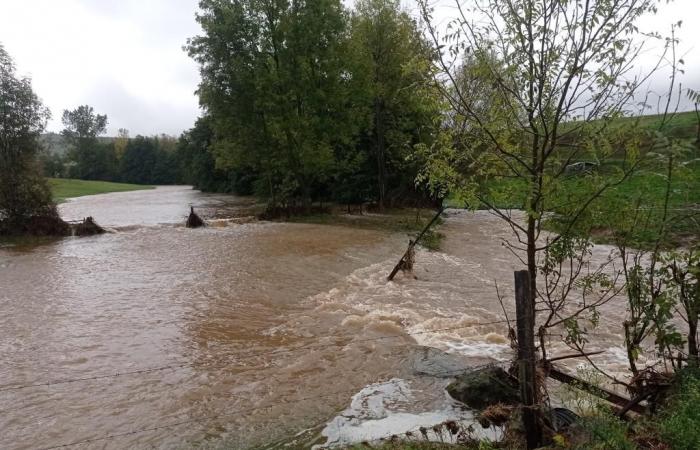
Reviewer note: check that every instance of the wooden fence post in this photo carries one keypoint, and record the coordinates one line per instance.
(525, 316)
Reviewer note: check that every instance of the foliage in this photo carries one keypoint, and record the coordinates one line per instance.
(558, 93)
(391, 74)
(197, 164)
(271, 80)
(24, 193)
(605, 431)
(306, 101)
(679, 420)
(147, 161)
(82, 126)
(143, 160)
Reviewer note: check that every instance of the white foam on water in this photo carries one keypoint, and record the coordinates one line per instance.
(499, 352)
(381, 410)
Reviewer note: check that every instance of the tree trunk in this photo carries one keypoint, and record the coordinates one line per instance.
(692, 344)
(380, 150)
(693, 328)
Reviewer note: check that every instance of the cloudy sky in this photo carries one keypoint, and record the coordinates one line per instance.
(125, 57)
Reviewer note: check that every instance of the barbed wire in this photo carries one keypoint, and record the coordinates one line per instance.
(314, 345)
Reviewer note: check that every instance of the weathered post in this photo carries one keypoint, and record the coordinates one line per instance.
(525, 314)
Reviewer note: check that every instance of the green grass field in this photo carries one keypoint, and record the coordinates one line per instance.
(682, 125)
(63, 188)
(641, 195)
(645, 188)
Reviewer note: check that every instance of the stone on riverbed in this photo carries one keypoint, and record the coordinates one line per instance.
(483, 387)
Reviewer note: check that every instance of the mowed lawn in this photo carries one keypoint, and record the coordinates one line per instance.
(63, 188)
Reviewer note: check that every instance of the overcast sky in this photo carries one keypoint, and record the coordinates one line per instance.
(125, 57)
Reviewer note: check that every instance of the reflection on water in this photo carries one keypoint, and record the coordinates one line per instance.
(267, 328)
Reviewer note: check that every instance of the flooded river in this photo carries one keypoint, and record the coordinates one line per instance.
(242, 334)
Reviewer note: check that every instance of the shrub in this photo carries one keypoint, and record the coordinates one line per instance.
(606, 432)
(680, 420)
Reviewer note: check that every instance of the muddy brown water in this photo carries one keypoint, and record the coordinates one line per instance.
(271, 332)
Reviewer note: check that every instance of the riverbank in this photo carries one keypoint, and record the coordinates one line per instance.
(65, 188)
(397, 220)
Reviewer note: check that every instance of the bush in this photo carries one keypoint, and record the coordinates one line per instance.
(680, 420)
(604, 431)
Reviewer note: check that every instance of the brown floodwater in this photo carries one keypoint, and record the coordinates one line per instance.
(243, 334)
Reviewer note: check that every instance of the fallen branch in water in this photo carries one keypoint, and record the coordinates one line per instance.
(406, 261)
(574, 355)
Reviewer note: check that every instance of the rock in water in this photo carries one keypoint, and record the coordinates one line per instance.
(437, 363)
(483, 387)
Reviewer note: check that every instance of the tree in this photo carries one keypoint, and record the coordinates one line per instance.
(82, 126)
(560, 71)
(120, 142)
(391, 61)
(25, 197)
(197, 165)
(138, 163)
(272, 82)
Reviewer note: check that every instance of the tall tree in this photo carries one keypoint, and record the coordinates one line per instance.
(138, 163)
(82, 127)
(272, 82)
(391, 65)
(120, 142)
(197, 164)
(24, 193)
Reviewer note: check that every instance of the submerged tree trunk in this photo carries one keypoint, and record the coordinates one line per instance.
(193, 220)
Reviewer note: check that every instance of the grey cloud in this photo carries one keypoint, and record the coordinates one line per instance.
(139, 116)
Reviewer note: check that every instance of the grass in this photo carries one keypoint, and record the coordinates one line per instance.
(64, 188)
(634, 208)
(681, 125)
(641, 195)
(680, 420)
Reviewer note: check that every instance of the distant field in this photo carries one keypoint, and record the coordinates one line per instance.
(64, 188)
(683, 125)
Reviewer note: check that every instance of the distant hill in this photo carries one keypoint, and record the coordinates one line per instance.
(683, 125)
(54, 143)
